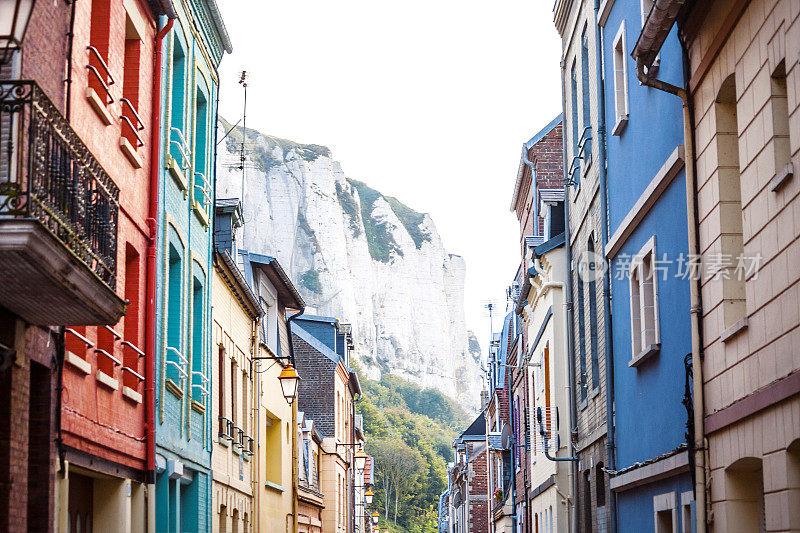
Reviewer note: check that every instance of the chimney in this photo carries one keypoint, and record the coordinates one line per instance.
(227, 219)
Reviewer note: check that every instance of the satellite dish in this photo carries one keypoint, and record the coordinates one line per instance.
(506, 437)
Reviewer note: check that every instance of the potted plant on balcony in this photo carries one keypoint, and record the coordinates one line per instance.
(498, 495)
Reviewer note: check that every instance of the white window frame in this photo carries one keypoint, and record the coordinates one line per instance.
(662, 503)
(642, 265)
(687, 499)
(619, 55)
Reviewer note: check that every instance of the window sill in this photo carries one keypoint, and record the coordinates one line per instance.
(619, 127)
(595, 392)
(131, 394)
(199, 407)
(222, 440)
(130, 152)
(200, 212)
(274, 486)
(99, 107)
(734, 330)
(176, 173)
(172, 387)
(644, 355)
(583, 404)
(79, 362)
(781, 177)
(107, 380)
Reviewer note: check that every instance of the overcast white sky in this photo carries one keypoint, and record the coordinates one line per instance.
(426, 100)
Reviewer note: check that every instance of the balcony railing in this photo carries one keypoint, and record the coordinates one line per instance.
(47, 173)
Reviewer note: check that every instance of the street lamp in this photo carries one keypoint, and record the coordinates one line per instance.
(289, 381)
(14, 17)
(375, 518)
(368, 497)
(361, 460)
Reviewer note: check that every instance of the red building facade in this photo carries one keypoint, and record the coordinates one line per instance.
(103, 414)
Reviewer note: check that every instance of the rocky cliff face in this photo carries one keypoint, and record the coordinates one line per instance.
(357, 255)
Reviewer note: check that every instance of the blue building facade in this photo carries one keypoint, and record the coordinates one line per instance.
(192, 51)
(648, 257)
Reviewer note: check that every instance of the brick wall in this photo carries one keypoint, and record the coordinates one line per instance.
(316, 390)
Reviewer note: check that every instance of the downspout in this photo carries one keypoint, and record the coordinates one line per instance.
(294, 421)
(607, 318)
(573, 411)
(70, 41)
(152, 222)
(698, 446)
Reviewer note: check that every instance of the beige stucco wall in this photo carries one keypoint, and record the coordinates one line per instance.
(766, 350)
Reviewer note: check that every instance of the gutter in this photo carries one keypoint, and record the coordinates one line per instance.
(607, 318)
(219, 25)
(698, 448)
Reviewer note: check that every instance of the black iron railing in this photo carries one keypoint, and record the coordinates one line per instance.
(48, 173)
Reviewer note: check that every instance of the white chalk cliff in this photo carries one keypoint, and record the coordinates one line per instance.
(357, 255)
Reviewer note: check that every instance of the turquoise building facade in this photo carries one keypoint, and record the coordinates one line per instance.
(192, 51)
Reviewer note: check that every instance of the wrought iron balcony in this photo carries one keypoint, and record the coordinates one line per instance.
(58, 217)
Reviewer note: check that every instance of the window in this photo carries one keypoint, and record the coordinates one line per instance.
(645, 337)
(687, 504)
(199, 380)
(244, 401)
(100, 78)
(620, 82)
(130, 357)
(223, 519)
(581, 338)
(780, 127)
(600, 485)
(178, 148)
(174, 316)
(730, 204)
(593, 317)
(744, 484)
(587, 501)
(202, 187)
(586, 134)
(221, 390)
(274, 454)
(132, 123)
(575, 135)
(665, 513)
(234, 392)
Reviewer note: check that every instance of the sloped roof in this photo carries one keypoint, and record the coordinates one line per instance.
(476, 429)
(527, 146)
(315, 343)
(286, 291)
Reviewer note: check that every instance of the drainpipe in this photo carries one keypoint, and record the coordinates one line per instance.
(150, 317)
(573, 411)
(70, 42)
(607, 318)
(294, 420)
(698, 446)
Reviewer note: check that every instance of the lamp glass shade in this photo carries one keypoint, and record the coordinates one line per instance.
(360, 460)
(289, 381)
(368, 497)
(375, 518)
(14, 17)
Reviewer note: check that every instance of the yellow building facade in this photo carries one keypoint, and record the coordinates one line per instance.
(236, 314)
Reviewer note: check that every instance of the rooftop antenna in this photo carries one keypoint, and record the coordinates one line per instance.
(243, 83)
